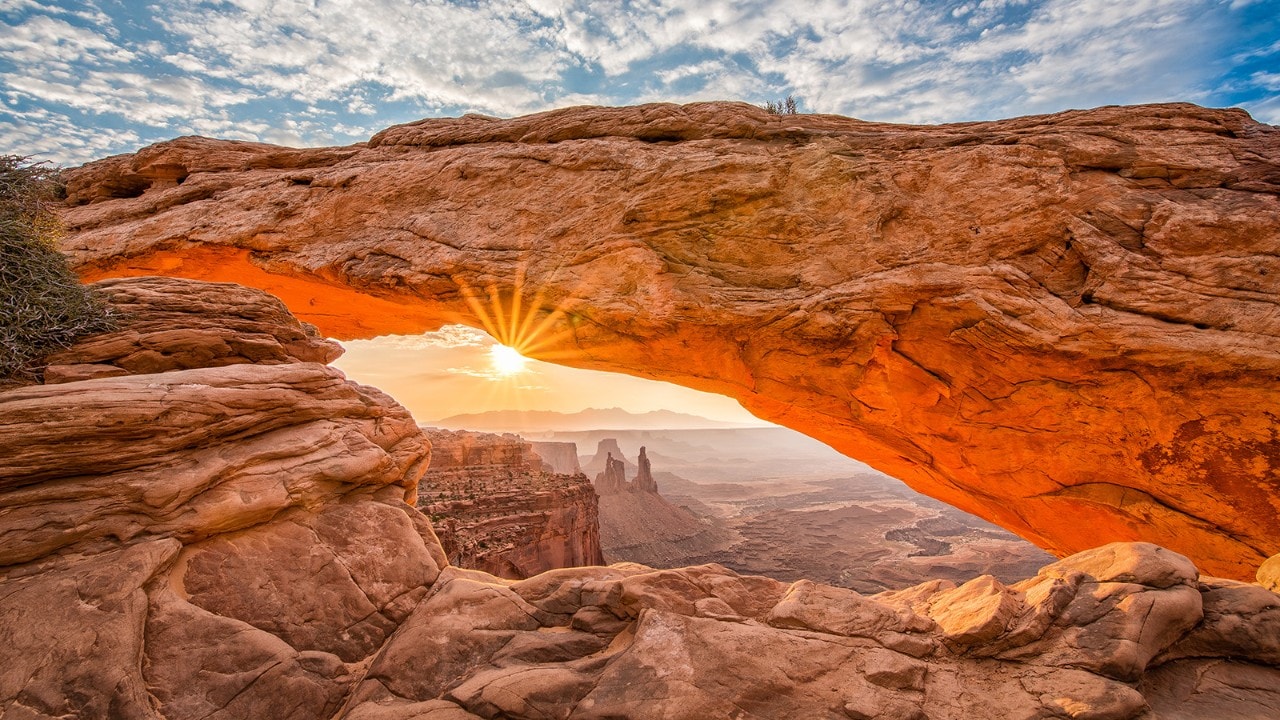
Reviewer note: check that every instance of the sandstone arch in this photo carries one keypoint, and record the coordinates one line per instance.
(1066, 324)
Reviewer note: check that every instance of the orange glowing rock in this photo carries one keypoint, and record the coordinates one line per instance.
(1066, 324)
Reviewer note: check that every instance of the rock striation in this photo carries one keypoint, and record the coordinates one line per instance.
(184, 541)
(497, 509)
(249, 553)
(1065, 324)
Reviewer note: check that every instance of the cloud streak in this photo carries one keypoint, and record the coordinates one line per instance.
(82, 79)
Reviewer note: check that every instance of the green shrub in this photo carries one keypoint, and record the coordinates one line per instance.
(44, 306)
(786, 106)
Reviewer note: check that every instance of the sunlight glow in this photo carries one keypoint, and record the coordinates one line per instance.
(506, 361)
(527, 330)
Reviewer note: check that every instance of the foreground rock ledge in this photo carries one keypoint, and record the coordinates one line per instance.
(188, 542)
(1065, 324)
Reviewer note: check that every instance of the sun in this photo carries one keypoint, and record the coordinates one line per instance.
(506, 361)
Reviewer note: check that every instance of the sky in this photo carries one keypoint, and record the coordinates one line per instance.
(455, 371)
(83, 80)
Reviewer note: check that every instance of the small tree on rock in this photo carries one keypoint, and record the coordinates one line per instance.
(786, 106)
(43, 305)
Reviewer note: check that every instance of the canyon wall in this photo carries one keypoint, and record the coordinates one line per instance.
(496, 508)
(1066, 324)
(234, 541)
(200, 518)
(562, 457)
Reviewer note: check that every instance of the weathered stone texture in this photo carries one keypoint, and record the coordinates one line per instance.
(320, 594)
(1066, 324)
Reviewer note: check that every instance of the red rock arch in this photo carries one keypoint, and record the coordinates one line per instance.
(1066, 324)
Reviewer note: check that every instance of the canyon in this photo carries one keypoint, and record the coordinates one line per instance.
(768, 501)
(202, 519)
(1065, 324)
(497, 507)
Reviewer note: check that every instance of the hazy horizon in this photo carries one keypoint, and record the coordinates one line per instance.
(588, 419)
(453, 371)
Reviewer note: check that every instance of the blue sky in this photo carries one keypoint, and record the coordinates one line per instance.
(82, 80)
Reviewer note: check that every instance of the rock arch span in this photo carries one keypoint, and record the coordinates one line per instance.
(1067, 324)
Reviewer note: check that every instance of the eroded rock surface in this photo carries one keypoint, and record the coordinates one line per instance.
(639, 525)
(1066, 324)
(202, 519)
(497, 507)
(561, 457)
(214, 578)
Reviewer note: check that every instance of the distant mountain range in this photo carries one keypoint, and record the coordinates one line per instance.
(589, 419)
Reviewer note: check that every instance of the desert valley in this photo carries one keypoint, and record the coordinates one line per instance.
(760, 501)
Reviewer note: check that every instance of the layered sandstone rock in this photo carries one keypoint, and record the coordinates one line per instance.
(202, 541)
(643, 481)
(613, 479)
(562, 457)
(496, 508)
(250, 555)
(1065, 324)
(168, 324)
(1078, 640)
(606, 448)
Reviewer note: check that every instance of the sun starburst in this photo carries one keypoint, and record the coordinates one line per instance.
(506, 361)
(524, 327)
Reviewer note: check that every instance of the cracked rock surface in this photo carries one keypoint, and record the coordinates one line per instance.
(187, 552)
(1066, 324)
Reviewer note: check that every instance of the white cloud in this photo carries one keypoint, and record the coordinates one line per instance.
(55, 137)
(494, 375)
(305, 72)
(448, 336)
(489, 56)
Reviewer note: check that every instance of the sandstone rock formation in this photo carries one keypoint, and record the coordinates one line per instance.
(643, 481)
(1269, 573)
(233, 542)
(607, 448)
(496, 508)
(1065, 324)
(173, 325)
(200, 541)
(647, 528)
(613, 479)
(561, 457)
(639, 525)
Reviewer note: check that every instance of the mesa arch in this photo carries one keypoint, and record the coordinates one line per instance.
(1067, 324)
